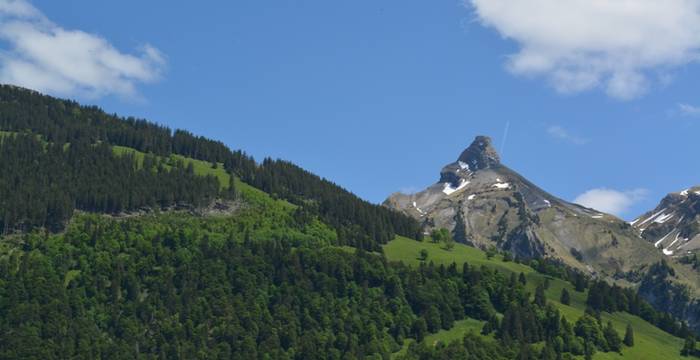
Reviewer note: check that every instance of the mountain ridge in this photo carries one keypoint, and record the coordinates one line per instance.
(674, 225)
(485, 203)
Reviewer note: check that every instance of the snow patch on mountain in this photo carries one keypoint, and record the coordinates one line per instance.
(656, 244)
(663, 218)
(652, 217)
(501, 185)
(449, 189)
(415, 205)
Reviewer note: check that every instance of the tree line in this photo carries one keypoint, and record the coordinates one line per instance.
(60, 122)
(41, 183)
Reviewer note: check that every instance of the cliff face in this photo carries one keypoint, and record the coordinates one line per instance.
(674, 225)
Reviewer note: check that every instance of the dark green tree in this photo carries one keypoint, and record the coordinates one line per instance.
(540, 297)
(629, 336)
(689, 347)
(612, 338)
(522, 279)
(565, 298)
(423, 255)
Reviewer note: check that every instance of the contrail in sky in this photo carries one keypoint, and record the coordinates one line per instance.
(505, 137)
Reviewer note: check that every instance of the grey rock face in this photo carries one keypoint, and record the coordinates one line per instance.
(673, 226)
(480, 154)
(484, 203)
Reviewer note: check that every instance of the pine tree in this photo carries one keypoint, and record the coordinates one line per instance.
(629, 336)
(612, 337)
(522, 279)
(487, 328)
(580, 282)
(688, 347)
(423, 255)
(565, 297)
(548, 352)
(420, 329)
(231, 193)
(540, 298)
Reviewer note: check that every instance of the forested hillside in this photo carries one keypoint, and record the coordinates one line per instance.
(97, 263)
(83, 175)
(267, 284)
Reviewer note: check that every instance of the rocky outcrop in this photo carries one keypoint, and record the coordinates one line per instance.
(673, 226)
(484, 203)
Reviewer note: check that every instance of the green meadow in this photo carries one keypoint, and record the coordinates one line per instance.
(651, 343)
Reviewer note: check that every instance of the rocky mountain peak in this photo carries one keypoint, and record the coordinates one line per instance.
(480, 154)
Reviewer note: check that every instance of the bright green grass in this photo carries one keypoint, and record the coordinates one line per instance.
(250, 194)
(70, 276)
(650, 341)
(201, 168)
(204, 168)
(408, 251)
(122, 150)
(457, 332)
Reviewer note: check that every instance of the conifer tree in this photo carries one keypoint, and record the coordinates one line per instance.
(565, 297)
(629, 336)
(612, 337)
(540, 298)
(688, 347)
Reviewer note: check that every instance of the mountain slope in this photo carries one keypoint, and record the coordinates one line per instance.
(674, 225)
(58, 156)
(651, 342)
(485, 203)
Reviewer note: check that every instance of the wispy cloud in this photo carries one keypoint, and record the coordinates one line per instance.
(44, 56)
(688, 110)
(562, 134)
(611, 201)
(619, 46)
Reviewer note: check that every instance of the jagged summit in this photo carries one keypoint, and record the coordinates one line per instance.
(485, 203)
(480, 154)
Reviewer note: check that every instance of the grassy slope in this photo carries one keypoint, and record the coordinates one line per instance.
(650, 341)
(201, 168)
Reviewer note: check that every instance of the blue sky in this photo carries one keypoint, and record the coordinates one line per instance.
(379, 95)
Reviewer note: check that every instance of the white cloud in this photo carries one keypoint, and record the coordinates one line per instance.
(579, 45)
(611, 201)
(44, 56)
(560, 133)
(689, 110)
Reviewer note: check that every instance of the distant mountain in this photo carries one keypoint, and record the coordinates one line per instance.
(674, 225)
(485, 203)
